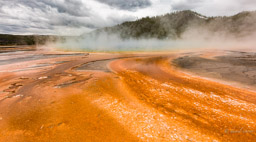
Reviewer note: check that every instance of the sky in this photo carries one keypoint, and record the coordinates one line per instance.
(76, 17)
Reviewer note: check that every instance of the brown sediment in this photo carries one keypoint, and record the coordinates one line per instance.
(143, 98)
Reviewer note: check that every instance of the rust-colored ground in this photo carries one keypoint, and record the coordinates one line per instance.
(141, 98)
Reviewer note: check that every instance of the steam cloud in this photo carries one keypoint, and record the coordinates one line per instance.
(194, 36)
(113, 43)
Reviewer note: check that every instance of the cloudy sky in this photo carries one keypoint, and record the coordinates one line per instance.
(74, 17)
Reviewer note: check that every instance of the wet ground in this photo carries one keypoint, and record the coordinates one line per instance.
(5, 49)
(63, 96)
(236, 66)
(98, 65)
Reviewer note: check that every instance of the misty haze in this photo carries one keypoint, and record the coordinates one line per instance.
(127, 70)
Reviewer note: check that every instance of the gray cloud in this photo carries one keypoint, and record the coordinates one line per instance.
(72, 7)
(73, 17)
(186, 4)
(127, 4)
(50, 16)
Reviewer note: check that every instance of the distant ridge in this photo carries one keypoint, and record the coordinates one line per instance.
(169, 26)
(7, 39)
(173, 25)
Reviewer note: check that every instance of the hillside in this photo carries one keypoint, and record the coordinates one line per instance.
(174, 25)
(6, 39)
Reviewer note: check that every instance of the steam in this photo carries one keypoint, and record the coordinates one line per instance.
(190, 40)
(210, 35)
(111, 43)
